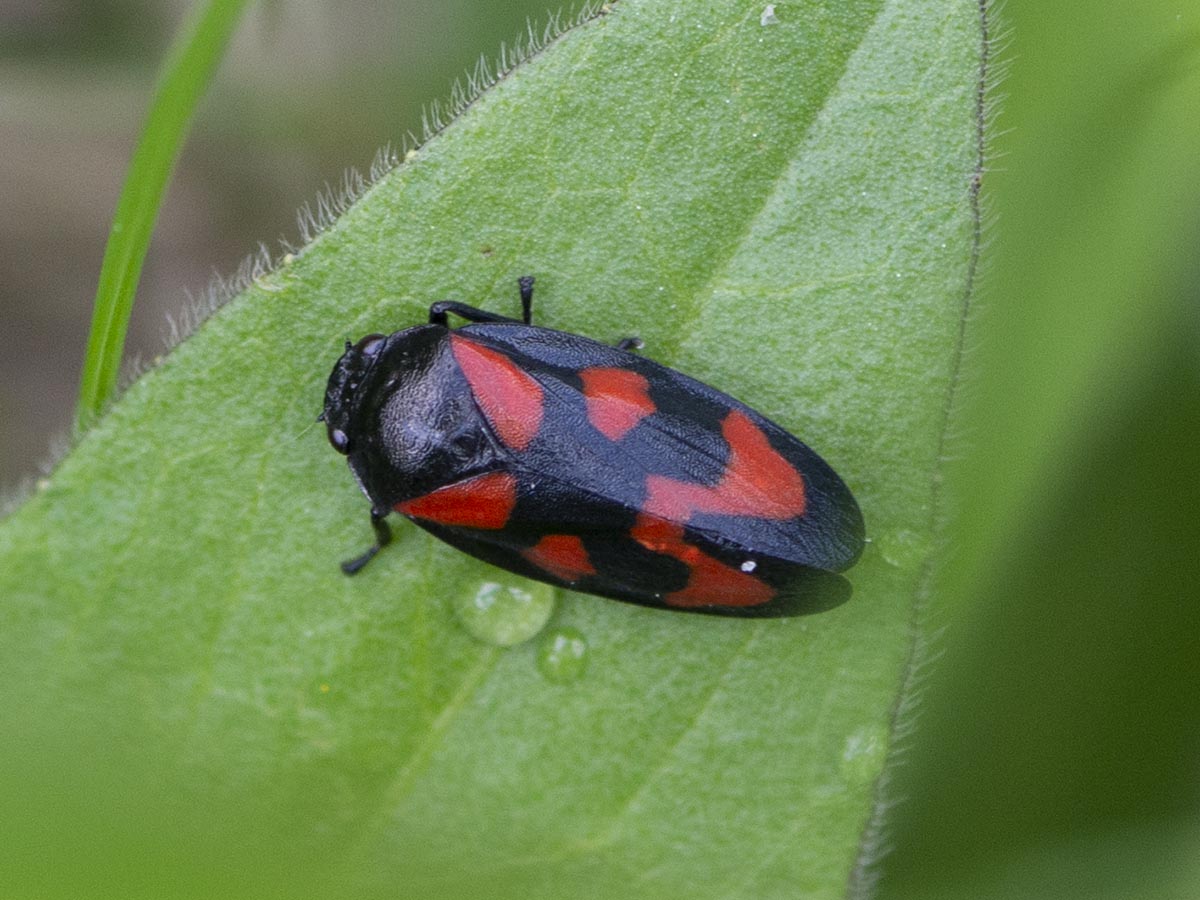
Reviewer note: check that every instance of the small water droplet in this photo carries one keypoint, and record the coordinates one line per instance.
(749, 565)
(504, 614)
(863, 755)
(562, 655)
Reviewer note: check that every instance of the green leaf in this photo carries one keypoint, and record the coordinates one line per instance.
(783, 210)
(189, 69)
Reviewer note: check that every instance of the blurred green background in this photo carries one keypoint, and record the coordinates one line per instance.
(308, 90)
(1058, 748)
(1057, 752)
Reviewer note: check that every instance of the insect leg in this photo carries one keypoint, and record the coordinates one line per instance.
(438, 311)
(383, 537)
(525, 282)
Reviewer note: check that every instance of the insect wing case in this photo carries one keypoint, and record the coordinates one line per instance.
(633, 481)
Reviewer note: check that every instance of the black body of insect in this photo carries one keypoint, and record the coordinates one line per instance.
(589, 467)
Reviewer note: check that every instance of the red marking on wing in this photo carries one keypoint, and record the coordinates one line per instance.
(757, 481)
(485, 501)
(509, 397)
(562, 555)
(617, 399)
(710, 581)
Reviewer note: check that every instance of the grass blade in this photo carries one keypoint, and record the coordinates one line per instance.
(186, 74)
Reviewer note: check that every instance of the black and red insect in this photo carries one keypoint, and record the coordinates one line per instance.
(587, 466)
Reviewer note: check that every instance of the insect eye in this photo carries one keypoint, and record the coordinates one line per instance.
(465, 443)
(371, 344)
(339, 440)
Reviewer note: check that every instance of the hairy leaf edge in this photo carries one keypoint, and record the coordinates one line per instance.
(925, 632)
(315, 217)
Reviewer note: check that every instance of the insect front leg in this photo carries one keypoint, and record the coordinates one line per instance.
(383, 537)
(439, 311)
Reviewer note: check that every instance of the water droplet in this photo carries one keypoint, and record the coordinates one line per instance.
(504, 614)
(562, 655)
(863, 756)
(749, 565)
